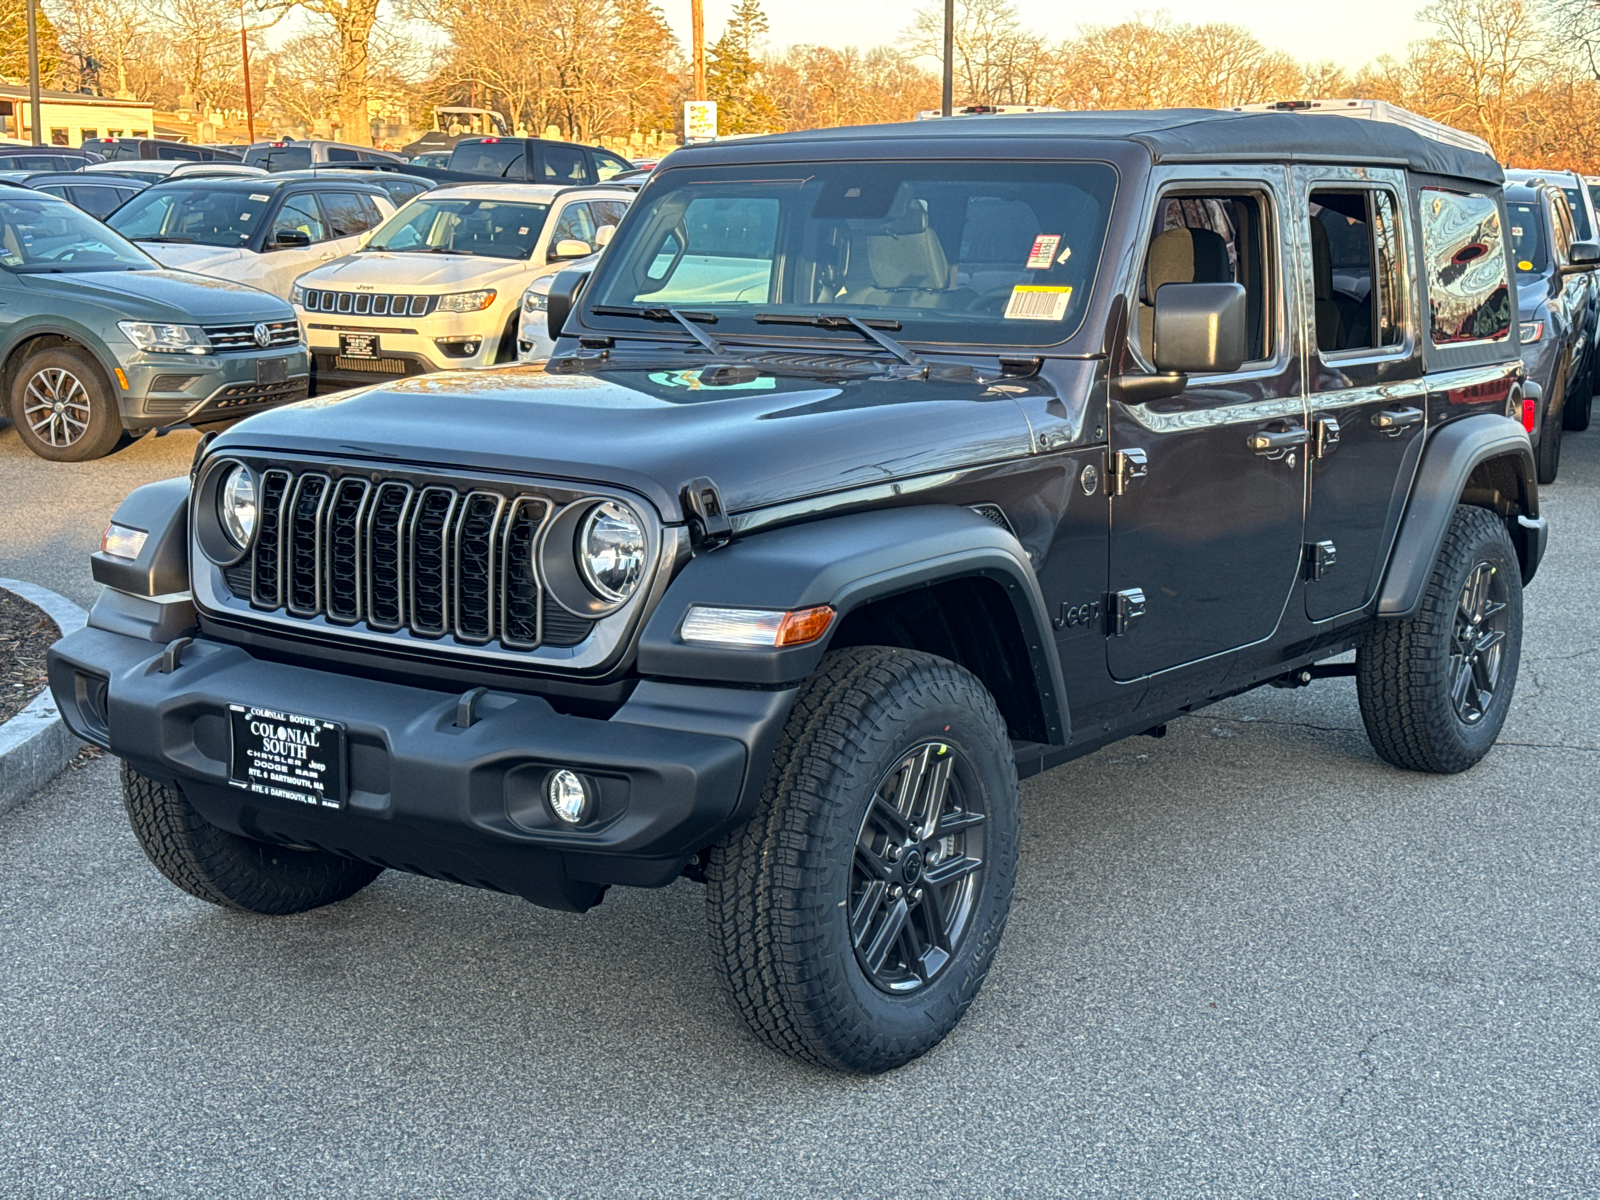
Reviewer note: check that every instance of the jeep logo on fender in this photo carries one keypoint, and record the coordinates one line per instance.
(1081, 614)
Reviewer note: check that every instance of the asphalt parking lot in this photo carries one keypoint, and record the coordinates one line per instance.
(1247, 959)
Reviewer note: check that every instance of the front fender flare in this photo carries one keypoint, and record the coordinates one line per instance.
(847, 562)
(1453, 452)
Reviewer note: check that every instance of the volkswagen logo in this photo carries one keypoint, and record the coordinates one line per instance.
(263, 335)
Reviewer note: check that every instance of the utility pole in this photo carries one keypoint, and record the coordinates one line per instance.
(948, 101)
(697, 24)
(33, 74)
(244, 48)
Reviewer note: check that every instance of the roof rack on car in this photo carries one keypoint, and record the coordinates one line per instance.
(1377, 110)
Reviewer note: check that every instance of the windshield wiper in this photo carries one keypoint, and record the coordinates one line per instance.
(686, 319)
(164, 239)
(844, 321)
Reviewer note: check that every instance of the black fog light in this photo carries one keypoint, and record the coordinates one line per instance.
(569, 796)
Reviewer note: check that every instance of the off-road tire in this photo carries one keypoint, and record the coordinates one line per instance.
(102, 429)
(1547, 454)
(777, 889)
(226, 869)
(1404, 668)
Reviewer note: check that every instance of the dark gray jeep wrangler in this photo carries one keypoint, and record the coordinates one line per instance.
(876, 469)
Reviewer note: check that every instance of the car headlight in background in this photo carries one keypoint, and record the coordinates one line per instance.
(611, 551)
(297, 295)
(1530, 331)
(166, 339)
(236, 505)
(533, 301)
(461, 302)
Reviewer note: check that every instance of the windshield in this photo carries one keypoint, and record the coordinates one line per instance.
(1527, 237)
(1580, 212)
(491, 228)
(40, 233)
(204, 215)
(279, 158)
(986, 252)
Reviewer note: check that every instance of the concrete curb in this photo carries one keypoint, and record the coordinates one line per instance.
(35, 744)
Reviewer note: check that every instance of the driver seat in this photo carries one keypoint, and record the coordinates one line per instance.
(899, 263)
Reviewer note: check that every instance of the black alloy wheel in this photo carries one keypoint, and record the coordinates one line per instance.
(918, 868)
(1477, 642)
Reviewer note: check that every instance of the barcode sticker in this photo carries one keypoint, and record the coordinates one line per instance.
(1029, 303)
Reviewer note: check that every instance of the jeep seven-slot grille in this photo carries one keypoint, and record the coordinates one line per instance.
(366, 304)
(431, 559)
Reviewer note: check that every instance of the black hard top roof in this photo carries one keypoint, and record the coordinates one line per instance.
(1171, 135)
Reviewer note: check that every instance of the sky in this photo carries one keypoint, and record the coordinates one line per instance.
(1350, 34)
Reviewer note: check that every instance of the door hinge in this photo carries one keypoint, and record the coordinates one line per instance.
(1327, 436)
(1123, 467)
(1320, 559)
(709, 526)
(1123, 609)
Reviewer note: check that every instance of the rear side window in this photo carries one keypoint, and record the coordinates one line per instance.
(1580, 214)
(299, 213)
(339, 154)
(489, 158)
(345, 214)
(169, 150)
(1469, 297)
(1355, 270)
(96, 201)
(564, 164)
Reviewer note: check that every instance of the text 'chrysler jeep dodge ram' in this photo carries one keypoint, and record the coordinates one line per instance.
(875, 469)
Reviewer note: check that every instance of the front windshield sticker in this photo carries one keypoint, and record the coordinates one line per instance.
(259, 196)
(1038, 303)
(1524, 265)
(692, 381)
(1044, 250)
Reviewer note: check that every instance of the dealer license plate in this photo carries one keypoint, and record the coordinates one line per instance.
(288, 756)
(358, 345)
(272, 370)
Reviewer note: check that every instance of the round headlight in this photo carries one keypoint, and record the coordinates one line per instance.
(611, 551)
(236, 503)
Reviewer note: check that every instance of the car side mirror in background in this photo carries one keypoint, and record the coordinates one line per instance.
(564, 293)
(1582, 256)
(285, 238)
(569, 248)
(602, 236)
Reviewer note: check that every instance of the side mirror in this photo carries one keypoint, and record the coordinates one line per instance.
(568, 248)
(564, 293)
(1582, 256)
(290, 237)
(1199, 328)
(602, 236)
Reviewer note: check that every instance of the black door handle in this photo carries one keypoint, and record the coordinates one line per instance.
(1265, 441)
(1393, 419)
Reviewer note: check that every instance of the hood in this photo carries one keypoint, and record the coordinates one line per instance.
(208, 260)
(163, 296)
(414, 272)
(654, 430)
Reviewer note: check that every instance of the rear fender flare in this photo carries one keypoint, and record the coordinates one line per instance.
(1445, 478)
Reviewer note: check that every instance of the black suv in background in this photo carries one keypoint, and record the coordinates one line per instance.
(1557, 327)
(875, 469)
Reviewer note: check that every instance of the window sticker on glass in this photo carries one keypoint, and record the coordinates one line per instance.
(1066, 253)
(1043, 252)
(1516, 231)
(1524, 265)
(1029, 303)
(259, 196)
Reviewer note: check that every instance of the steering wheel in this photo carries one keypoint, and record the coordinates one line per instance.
(992, 300)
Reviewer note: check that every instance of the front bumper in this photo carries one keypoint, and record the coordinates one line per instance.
(406, 346)
(675, 767)
(162, 388)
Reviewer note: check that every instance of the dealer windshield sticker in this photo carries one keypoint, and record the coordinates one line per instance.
(1029, 303)
(1066, 253)
(1524, 265)
(1043, 252)
(522, 232)
(260, 196)
(1516, 231)
(691, 380)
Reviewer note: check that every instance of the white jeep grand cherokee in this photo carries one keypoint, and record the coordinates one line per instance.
(440, 283)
